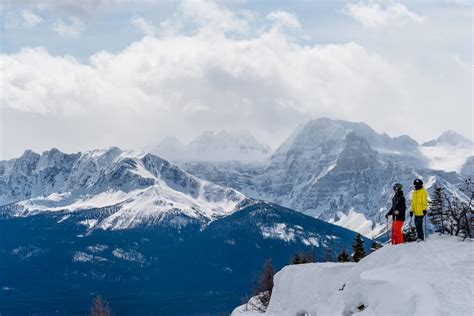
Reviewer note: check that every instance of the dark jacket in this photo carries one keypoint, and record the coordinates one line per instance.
(398, 204)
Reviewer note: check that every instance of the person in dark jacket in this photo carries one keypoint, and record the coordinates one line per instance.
(398, 213)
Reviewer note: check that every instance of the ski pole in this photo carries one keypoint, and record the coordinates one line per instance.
(394, 228)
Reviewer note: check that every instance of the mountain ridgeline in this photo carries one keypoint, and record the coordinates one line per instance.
(338, 171)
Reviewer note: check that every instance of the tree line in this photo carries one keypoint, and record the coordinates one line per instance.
(453, 214)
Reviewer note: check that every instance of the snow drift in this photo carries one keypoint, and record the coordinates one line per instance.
(431, 278)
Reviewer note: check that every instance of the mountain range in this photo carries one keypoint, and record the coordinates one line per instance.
(129, 224)
(338, 171)
(198, 229)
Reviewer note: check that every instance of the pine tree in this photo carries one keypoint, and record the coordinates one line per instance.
(263, 289)
(100, 307)
(438, 215)
(343, 256)
(302, 257)
(375, 245)
(466, 215)
(358, 251)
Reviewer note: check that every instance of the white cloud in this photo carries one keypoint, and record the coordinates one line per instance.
(71, 29)
(212, 17)
(284, 18)
(144, 25)
(23, 18)
(187, 82)
(373, 15)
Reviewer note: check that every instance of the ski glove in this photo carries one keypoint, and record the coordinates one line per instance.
(411, 214)
(396, 212)
(424, 212)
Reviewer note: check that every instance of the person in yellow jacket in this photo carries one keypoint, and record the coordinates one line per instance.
(419, 207)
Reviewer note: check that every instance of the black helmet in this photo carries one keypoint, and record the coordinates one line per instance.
(397, 186)
(417, 182)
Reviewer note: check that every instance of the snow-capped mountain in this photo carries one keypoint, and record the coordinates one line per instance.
(325, 131)
(210, 146)
(448, 152)
(335, 170)
(431, 278)
(449, 138)
(140, 187)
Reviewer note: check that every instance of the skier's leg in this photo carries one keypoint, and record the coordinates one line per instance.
(398, 234)
(419, 227)
(400, 229)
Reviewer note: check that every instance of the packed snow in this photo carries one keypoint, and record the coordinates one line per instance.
(435, 277)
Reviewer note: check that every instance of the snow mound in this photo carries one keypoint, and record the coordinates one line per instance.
(431, 278)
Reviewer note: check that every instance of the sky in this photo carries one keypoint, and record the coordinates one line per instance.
(80, 75)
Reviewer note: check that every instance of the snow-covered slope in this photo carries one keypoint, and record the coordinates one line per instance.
(141, 188)
(431, 278)
(210, 146)
(448, 152)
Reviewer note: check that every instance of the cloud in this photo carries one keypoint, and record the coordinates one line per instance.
(144, 25)
(284, 18)
(213, 17)
(22, 19)
(71, 29)
(264, 81)
(373, 15)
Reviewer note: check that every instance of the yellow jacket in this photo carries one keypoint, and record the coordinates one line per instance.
(419, 201)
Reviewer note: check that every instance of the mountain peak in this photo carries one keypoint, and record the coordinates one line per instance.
(323, 130)
(449, 138)
(215, 146)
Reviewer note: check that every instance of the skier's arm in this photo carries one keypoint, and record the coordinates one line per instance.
(424, 200)
(403, 205)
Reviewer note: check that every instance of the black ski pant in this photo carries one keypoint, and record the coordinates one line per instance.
(419, 227)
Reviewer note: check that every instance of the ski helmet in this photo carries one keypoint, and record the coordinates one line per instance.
(397, 186)
(417, 182)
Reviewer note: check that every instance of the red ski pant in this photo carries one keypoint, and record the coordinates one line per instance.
(397, 236)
